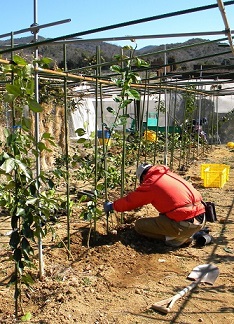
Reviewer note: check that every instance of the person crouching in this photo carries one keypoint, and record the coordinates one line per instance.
(181, 213)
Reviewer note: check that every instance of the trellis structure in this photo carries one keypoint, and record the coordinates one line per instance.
(159, 84)
(101, 85)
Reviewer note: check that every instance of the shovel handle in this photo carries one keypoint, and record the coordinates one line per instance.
(187, 289)
(166, 305)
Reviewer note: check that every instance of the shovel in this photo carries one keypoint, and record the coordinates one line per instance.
(203, 273)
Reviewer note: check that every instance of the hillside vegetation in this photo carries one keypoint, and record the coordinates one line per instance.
(81, 54)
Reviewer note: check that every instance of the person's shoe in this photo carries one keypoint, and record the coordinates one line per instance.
(204, 239)
(201, 232)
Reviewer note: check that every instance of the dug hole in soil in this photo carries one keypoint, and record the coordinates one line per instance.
(120, 276)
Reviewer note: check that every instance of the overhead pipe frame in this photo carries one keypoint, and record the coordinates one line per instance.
(119, 25)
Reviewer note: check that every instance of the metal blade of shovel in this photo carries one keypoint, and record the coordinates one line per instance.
(202, 273)
(205, 273)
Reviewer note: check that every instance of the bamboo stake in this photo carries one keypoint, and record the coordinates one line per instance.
(66, 151)
(226, 24)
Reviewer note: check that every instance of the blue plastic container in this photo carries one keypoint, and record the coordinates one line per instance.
(106, 134)
(107, 139)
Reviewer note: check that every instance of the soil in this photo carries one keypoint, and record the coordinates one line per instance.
(120, 275)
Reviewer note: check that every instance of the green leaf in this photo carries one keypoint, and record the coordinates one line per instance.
(51, 184)
(20, 266)
(14, 90)
(117, 57)
(27, 279)
(46, 136)
(117, 99)
(99, 211)
(6, 68)
(27, 232)
(26, 123)
(111, 110)
(123, 120)
(35, 152)
(100, 187)
(6, 133)
(83, 198)
(8, 165)
(127, 47)
(28, 72)
(20, 211)
(9, 97)
(27, 317)
(80, 131)
(25, 244)
(87, 215)
(15, 239)
(31, 201)
(118, 82)
(34, 106)
(14, 221)
(26, 247)
(41, 146)
(51, 143)
(116, 68)
(228, 250)
(125, 103)
(10, 185)
(19, 60)
(17, 255)
(133, 77)
(32, 189)
(22, 167)
(134, 94)
(81, 140)
(44, 62)
(141, 63)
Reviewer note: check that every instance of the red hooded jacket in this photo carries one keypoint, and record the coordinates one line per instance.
(169, 193)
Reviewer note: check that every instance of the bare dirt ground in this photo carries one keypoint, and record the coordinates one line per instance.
(119, 277)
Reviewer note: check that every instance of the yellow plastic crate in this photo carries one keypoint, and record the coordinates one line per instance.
(107, 141)
(215, 167)
(150, 136)
(215, 178)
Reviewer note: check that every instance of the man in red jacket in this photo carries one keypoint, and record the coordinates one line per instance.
(181, 213)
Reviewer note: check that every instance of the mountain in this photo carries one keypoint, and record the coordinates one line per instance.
(83, 53)
(78, 54)
(191, 52)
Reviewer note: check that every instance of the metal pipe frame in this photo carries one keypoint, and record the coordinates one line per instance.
(35, 28)
(119, 25)
(134, 37)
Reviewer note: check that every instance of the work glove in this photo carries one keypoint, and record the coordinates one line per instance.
(108, 206)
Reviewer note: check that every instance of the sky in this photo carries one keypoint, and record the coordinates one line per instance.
(91, 14)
